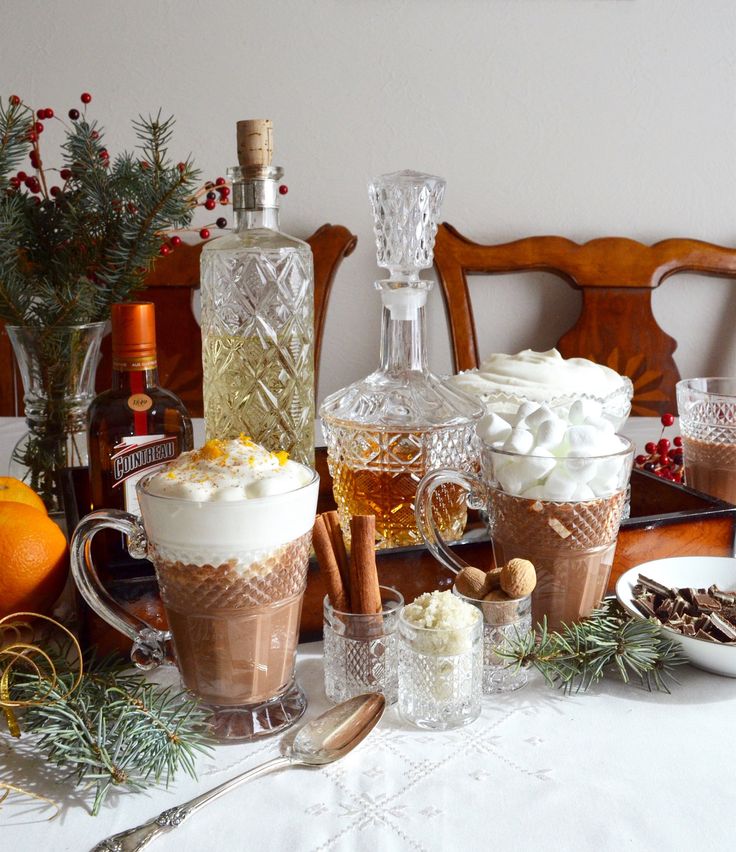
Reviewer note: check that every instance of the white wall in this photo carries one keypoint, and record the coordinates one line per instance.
(578, 117)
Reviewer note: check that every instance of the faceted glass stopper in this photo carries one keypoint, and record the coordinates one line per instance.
(406, 210)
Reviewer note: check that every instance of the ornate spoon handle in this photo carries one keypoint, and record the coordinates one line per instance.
(137, 838)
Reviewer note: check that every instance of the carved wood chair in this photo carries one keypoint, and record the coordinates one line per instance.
(616, 277)
(171, 287)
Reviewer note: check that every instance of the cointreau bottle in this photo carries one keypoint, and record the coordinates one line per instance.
(133, 428)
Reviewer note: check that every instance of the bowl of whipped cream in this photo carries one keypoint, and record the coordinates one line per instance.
(503, 382)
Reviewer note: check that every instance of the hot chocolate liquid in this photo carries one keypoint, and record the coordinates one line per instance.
(710, 467)
(571, 545)
(235, 638)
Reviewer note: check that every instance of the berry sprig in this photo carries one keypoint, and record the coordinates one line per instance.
(662, 457)
(209, 196)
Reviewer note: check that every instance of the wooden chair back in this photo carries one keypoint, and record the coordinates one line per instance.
(171, 286)
(616, 276)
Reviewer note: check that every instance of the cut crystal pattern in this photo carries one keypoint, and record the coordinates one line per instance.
(258, 353)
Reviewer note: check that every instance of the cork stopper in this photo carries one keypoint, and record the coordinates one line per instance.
(255, 142)
(133, 335)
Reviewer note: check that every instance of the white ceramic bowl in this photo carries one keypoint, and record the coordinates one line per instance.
(696, 572)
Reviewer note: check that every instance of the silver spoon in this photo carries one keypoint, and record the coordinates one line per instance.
(323, 740)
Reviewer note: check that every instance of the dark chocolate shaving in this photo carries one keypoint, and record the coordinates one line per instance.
(708, 614)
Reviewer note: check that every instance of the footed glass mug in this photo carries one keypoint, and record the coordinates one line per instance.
(570, 540)
(232, 576)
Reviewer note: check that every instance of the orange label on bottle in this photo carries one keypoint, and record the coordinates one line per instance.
(139, 402)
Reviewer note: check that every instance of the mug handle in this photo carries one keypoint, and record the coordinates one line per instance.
(476, 499)
(149, 644)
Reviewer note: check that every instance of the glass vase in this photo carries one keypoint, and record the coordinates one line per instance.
(57, 366)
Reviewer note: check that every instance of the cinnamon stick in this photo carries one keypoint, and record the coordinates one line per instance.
(322, 543)
(338, 546)
(365, 595)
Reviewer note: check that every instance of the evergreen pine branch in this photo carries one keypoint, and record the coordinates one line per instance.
(15, 123)
(609, 640)
(116, 730)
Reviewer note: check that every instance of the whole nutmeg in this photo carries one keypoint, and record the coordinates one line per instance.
(498, 608)
(470, 582)
(493, 581)
(518, 578)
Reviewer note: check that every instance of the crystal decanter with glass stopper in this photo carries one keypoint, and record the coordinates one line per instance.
(258, 314)
(384, 432)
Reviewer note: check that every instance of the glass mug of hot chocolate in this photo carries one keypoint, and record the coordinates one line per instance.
(707, 409)
(554, 491)
(228, 529)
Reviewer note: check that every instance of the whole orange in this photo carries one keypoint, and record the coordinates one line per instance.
(18, 492)
(33, 559)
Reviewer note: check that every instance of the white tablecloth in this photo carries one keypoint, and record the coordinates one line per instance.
(618, 768)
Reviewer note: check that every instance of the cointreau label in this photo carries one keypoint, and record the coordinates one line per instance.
(133, 456)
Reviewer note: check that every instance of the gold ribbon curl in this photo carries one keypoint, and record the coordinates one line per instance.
(14, 653)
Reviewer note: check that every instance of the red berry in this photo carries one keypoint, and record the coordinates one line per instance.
(22, 176)
(209, 185)
(224, 191)
(204, 233)
(181, 166)
(35, 159)
(221, 222)
(104, 155)
(41, 113)
(677, 441)
(38, 127)
(14, 182)
(85, 97)
(65, 174)
(32, 136)
(14, 100)
(220, 181)
(175, 241)
(94, 135)
(663, 446)
(283, 189)
(210, 204)
(641, 459)
(212, 195)
(165, 249)
(667, 419)
(650, 466)
(49, 113)
(74, 114)
(650, 447)
(54, 191)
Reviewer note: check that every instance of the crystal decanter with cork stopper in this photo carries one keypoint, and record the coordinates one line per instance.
(386, 431)
(258, 313)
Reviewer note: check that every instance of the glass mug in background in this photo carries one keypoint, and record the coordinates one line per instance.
(571, 542)
(707, 409)
(232, 576)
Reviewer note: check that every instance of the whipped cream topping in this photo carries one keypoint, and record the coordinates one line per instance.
(237, 469)
(230, 501)
(539, 376)
(556, 455)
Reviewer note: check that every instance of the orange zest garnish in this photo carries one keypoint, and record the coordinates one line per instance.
(212, 450)
(282, 456)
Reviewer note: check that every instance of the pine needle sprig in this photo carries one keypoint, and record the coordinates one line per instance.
(579, 655)
(116, 730)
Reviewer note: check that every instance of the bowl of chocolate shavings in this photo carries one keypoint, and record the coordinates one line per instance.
(694, 600)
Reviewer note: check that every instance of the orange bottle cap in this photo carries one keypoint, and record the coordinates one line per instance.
(134, 335)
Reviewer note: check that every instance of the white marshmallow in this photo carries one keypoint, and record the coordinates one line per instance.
(551, 434)
(535, 418)
(559, 486)
(492, 428)
(522, 412)
(519, 441)
(583, 409)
